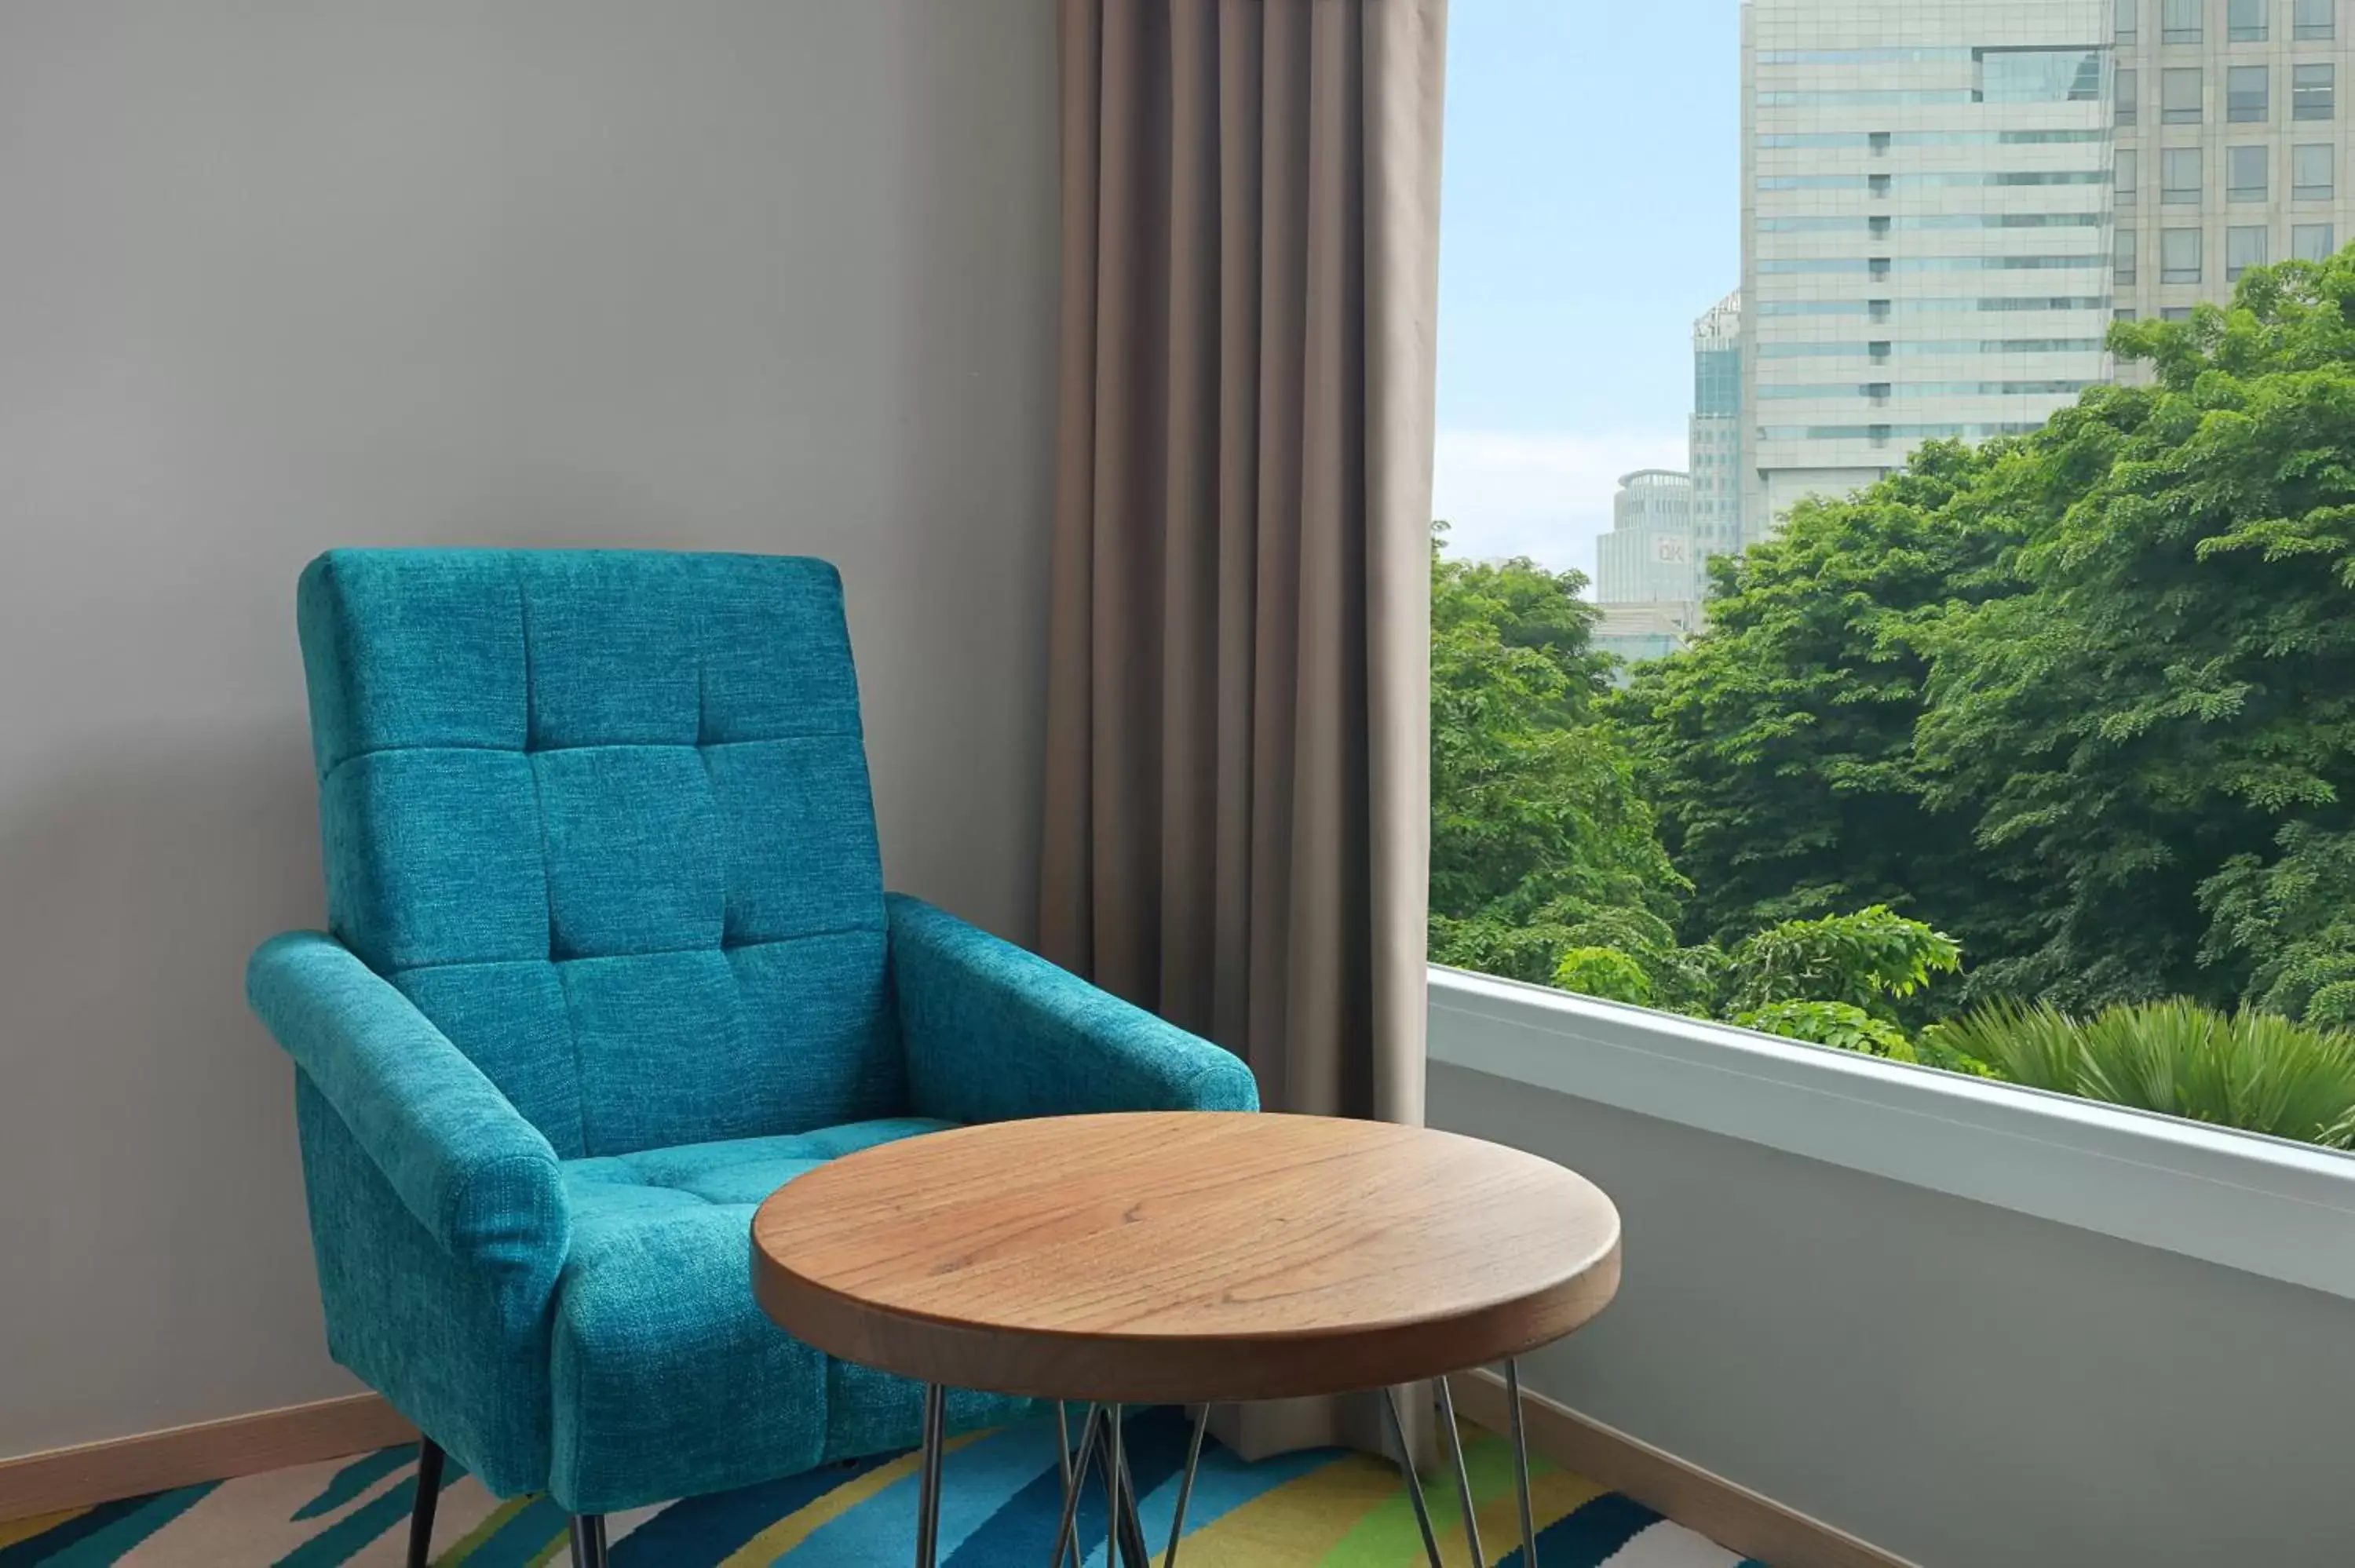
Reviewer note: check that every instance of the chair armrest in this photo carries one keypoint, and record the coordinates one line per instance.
(481, 1179)
(993, 1032)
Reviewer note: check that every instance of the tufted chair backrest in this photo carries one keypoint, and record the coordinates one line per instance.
(604, 816)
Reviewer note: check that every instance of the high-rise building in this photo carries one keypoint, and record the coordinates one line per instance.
(2231, 144)
(1714, 444)
(1926, 235)
(1647, 555)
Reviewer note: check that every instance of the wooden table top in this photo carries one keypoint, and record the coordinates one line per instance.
(1185, 1257)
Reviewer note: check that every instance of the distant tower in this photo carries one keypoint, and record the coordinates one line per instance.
(1715, 440)
(1647, 555)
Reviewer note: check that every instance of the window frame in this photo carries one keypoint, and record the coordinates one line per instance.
(2301, 29)
(2172, 27)
(2172, 113)
(2125, 93)
(2303, 189)
(2237, 111)
(2236, 265)
(2234, 157)
(2172, 271)
(2124, 262)
(2237, 31)
(2298, 251)
(2171, 191)
(2266, 1207)
(2314, 101)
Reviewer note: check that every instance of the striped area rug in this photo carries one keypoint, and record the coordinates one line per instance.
(1325, 1509)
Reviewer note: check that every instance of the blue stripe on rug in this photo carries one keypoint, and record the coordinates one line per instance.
(1588, 1535)
(989, 1473)
(110, 1541)
(1223, 1484)
(356, 1477)
(698, 1532)
(342, 1541)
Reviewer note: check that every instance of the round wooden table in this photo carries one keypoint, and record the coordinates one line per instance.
(1184, 1258)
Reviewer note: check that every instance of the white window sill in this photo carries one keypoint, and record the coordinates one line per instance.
(2282, 1210)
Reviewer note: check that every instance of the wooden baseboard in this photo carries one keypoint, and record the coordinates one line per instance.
(209, 1451)
(1733, 1516)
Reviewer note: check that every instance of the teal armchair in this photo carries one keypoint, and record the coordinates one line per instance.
(609, 960)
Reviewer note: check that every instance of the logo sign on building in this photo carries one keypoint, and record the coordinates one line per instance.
(1671, 550)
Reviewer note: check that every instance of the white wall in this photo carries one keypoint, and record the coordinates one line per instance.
(282, 274)
(1963, 1385)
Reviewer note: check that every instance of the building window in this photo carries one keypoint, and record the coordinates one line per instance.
(1878, 310)
(2312, 171)
(1879, 142)
(2310, 241)
(2244, 21)
(2180, 22)
(2243, 249)
(2122, 256)
(1878, 226)
(2314, 92)
(2126, 83)
(2178, 94)
(2129, 21)
(2179, 256)
(2123, 313)
(2248, 95)
(1877, 185)
(1878, 266)
(2246, 177)
(2178, 177)
(2175, 313)
(2313, 19)
(2125, 173)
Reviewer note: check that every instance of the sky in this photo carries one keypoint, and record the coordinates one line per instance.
(1591, 210)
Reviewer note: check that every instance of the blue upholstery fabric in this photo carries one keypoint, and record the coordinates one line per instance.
(610, 961)
(994, 1033)
(603, 817)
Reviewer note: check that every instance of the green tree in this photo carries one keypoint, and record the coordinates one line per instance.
(2061, 695)
(1542, 840)
(1779, 745)
(2290, 925)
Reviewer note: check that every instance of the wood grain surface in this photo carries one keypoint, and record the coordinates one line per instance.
(1176, 1257)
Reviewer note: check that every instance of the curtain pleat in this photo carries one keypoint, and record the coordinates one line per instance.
(1237, 788)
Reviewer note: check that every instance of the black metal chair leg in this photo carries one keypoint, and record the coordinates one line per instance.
(588, 1541)
(429, 1492)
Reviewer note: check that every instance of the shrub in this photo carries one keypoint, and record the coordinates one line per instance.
(2256, 1070)
(1604, 972)
(1860, 959)
(1839, 1023)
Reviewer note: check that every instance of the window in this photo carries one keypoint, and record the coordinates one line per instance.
(2248, 95)
(2122, 256)
(2180, 22)
(2175, 313)
(2179, 256)
(1877, 310)
(2125, 173)
(2126, 82)
(1878, 185)
(2244, 21)
(2243, 247)
(2178, 177)
(2311, 171)
(2178, 95)
(2129, 21)
(2313, 19)
(2038, 76)
(2314, 92)
(2310, 241)
(2245, 175)
(2123, 313)
(1879, 143)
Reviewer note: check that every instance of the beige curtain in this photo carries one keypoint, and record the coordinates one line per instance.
(1238, 810)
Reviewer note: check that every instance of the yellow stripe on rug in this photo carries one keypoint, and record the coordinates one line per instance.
(13, 1530)
(796, 1527)
(1300, 1522)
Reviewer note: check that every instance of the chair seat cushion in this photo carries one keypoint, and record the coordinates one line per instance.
(668, 1378)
